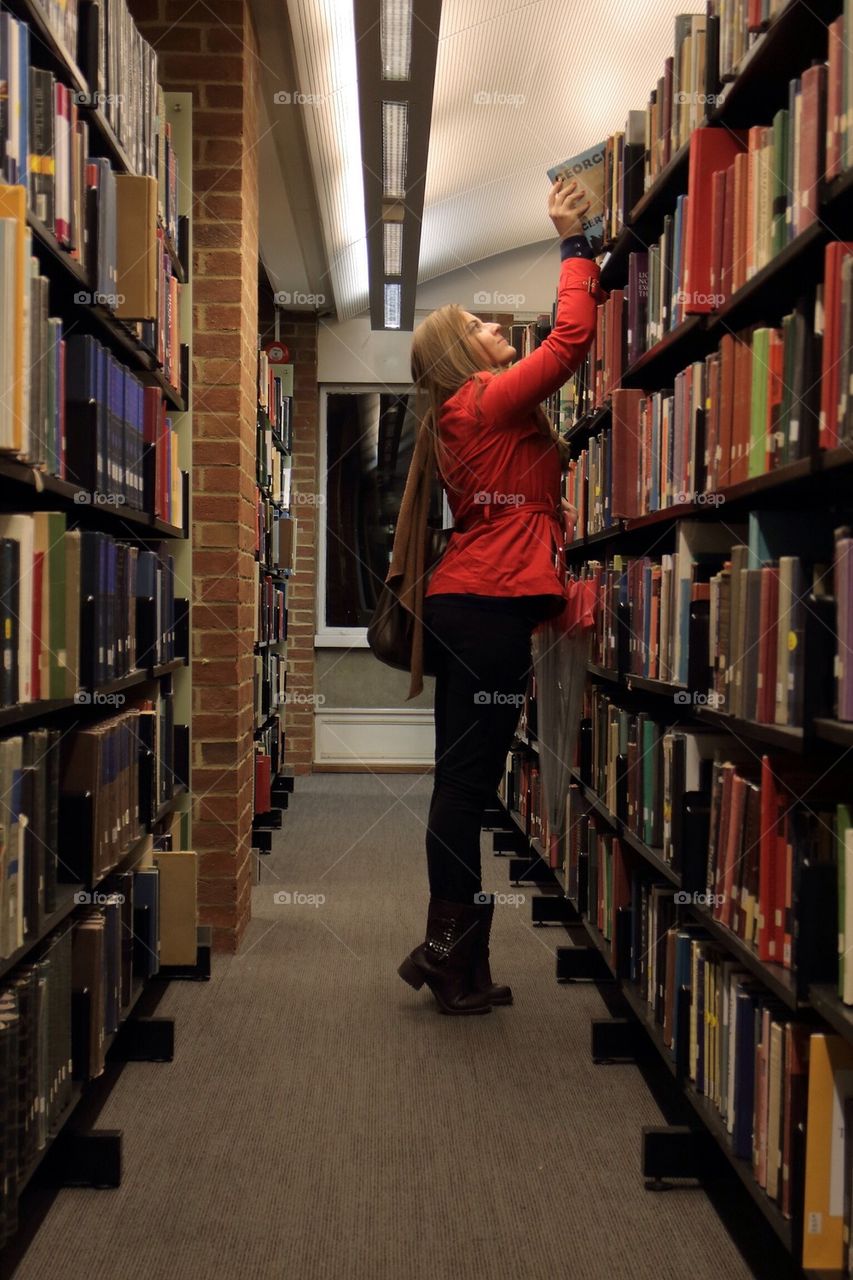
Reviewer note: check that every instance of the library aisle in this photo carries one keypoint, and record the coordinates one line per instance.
(328, 1123)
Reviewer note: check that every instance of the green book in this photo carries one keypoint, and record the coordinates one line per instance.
(779, 179)
(758, 407)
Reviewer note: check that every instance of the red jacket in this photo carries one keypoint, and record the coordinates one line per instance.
(495, 459)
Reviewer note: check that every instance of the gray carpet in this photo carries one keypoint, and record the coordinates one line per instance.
(321, 1119)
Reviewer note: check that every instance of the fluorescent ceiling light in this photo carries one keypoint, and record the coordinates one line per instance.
(392, 245)
(396, 33)
(392, 305)
(325, 56)
(395, 146)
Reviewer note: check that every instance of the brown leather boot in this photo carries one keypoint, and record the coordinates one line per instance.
(444, 960)
(481, 975)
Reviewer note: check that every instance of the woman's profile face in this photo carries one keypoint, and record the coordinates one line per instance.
(487, 342)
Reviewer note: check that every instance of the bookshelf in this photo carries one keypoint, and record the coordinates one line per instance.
(275, 547)
(666, 896)
(96, 698)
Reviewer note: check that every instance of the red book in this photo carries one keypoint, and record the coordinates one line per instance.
(718, 219)
(35, 651)
(263, 801)
(710, 150)
(775, 388)
(152, 403)
(726, 779)
(625, 500)
(754, 15)
(727, 248)
(834, 97)
(835, 253)
(771, 865)
(812, 145)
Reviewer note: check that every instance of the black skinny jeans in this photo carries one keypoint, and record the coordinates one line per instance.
(480, 651)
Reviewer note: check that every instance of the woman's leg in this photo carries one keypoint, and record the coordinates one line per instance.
(480, 685)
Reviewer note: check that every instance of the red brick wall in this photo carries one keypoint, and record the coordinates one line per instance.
(211, 51)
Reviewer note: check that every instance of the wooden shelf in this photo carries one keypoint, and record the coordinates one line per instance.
(658, 366)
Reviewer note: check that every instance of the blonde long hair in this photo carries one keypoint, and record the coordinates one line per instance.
(442, 360)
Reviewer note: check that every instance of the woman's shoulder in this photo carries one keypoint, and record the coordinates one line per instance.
(465, 399)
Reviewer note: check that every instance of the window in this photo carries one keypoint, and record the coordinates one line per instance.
(367, 439)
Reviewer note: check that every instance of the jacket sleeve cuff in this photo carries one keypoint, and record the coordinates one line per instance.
(582, 273)
(576, 247)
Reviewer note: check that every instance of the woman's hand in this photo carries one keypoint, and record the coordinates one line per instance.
(566, 208)
(570, 519)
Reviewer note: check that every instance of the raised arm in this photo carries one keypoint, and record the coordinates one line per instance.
(509, 396)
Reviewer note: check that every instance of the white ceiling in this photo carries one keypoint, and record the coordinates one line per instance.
(557, 76)
(562, 75)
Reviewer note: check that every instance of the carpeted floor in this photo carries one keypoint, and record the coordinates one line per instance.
(321, 1119)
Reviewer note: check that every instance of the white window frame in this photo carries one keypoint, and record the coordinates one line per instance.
(326, 637)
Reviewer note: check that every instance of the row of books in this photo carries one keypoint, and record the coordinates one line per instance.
(708, 48)
(273, 471)
(75, 605)
(29, 850)
(271, 611)
(66, 390)
(125, 85)
(521, 791)
(275, 400)
(275, 540)
(36, 1069)
(270, 684)
(770, 1077)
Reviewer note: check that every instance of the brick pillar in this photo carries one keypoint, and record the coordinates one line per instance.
(211, 51)
(299, 332)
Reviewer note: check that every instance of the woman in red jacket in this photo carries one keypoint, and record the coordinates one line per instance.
(500, 463)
